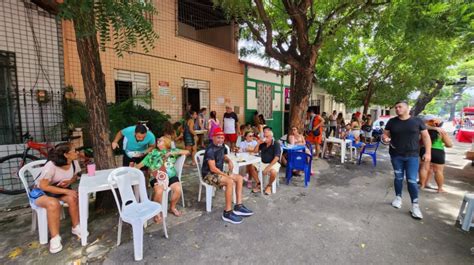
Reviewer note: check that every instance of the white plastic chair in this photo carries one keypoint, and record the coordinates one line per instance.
(199, 158)
(39, 217)
(239, 140)
(210, 190)
(466, 212)
(131, 211)
(275, 183)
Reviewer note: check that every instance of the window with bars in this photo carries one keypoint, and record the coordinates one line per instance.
(133, 85)
(199, 20)
(265, 100)
(7, 104)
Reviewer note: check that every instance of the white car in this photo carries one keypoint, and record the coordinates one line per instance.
(381, 122)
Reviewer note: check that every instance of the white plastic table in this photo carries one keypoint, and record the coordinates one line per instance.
(91, 184)
(342, 142)
(245, 159)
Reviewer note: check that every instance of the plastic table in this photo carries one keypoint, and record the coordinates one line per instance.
(342, 142)
(245, 159)
(91, 184)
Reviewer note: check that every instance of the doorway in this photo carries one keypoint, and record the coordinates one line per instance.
(195, 95)
(194, 99)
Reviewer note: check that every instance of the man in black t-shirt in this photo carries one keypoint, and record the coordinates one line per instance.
(403, 133)
(213, 174)
(270, 154)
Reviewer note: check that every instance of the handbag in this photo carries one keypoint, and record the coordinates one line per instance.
(317, 132)
(35, 193)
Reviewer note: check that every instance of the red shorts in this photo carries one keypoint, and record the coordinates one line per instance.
(231, 137)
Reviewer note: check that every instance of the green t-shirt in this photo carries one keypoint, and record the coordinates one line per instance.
(438, 143)
(156, 158)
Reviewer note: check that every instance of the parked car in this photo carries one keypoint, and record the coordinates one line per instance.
(381, 122)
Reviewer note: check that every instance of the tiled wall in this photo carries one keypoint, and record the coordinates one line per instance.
(173, 59)
(38, 66)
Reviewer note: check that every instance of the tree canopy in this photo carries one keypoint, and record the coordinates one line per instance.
(293, 32)
(409, 48)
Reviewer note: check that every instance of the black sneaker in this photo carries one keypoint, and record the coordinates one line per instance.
(241, 210)
(231, 217)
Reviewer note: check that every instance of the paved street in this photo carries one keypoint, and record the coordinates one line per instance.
(343, 217)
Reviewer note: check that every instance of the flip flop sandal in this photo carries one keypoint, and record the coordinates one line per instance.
(257, 188)
(268, 190)
(175, 212)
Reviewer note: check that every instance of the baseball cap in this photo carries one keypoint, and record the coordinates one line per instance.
(218, 131)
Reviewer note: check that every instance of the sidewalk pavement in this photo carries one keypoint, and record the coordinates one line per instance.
(343, 217)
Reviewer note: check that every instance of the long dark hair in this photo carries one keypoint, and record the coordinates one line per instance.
(262, 119)
(56, 154)
(433, 134)
(190, 114)
(213, 115)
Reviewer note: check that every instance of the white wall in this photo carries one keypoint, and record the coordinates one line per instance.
(260, 74)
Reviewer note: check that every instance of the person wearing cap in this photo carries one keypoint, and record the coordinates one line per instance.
(439, 140)
(138, 142)
(213, 174)
(231, 127)
(403, 133)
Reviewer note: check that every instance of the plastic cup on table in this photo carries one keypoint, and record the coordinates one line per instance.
(91, 170)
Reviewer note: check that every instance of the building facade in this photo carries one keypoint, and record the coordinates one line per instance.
(31, 75)
(194, 63)
(264, 93)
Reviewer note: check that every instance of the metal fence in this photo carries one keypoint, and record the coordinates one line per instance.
(38, 113)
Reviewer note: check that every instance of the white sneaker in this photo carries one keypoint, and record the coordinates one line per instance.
(55, 244)
(397, 202)
(416, 212)
(77, 231)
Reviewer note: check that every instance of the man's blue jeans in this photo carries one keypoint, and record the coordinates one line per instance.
(406, 166)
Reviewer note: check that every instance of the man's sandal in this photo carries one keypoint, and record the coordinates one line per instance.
(268, 190)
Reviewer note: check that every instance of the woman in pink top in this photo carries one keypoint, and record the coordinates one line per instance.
(55, 181)
(213, 123)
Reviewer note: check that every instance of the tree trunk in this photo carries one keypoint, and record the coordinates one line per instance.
(299, 97)
(425, 97)
(368, 97)
(452, 110)
(94, 90)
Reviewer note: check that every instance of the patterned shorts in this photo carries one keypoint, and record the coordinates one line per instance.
(212, 179)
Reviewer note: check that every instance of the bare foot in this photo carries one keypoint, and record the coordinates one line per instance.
(441, 190)
(157, 219)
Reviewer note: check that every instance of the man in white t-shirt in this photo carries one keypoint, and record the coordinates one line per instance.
(332, 123)
(231, 127)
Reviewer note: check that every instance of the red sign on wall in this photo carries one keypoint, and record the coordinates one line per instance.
(287, 95)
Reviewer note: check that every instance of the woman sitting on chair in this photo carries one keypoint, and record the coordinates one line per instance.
(161, 163)
(55, 181)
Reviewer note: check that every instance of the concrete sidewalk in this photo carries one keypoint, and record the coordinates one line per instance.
(343, 217)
